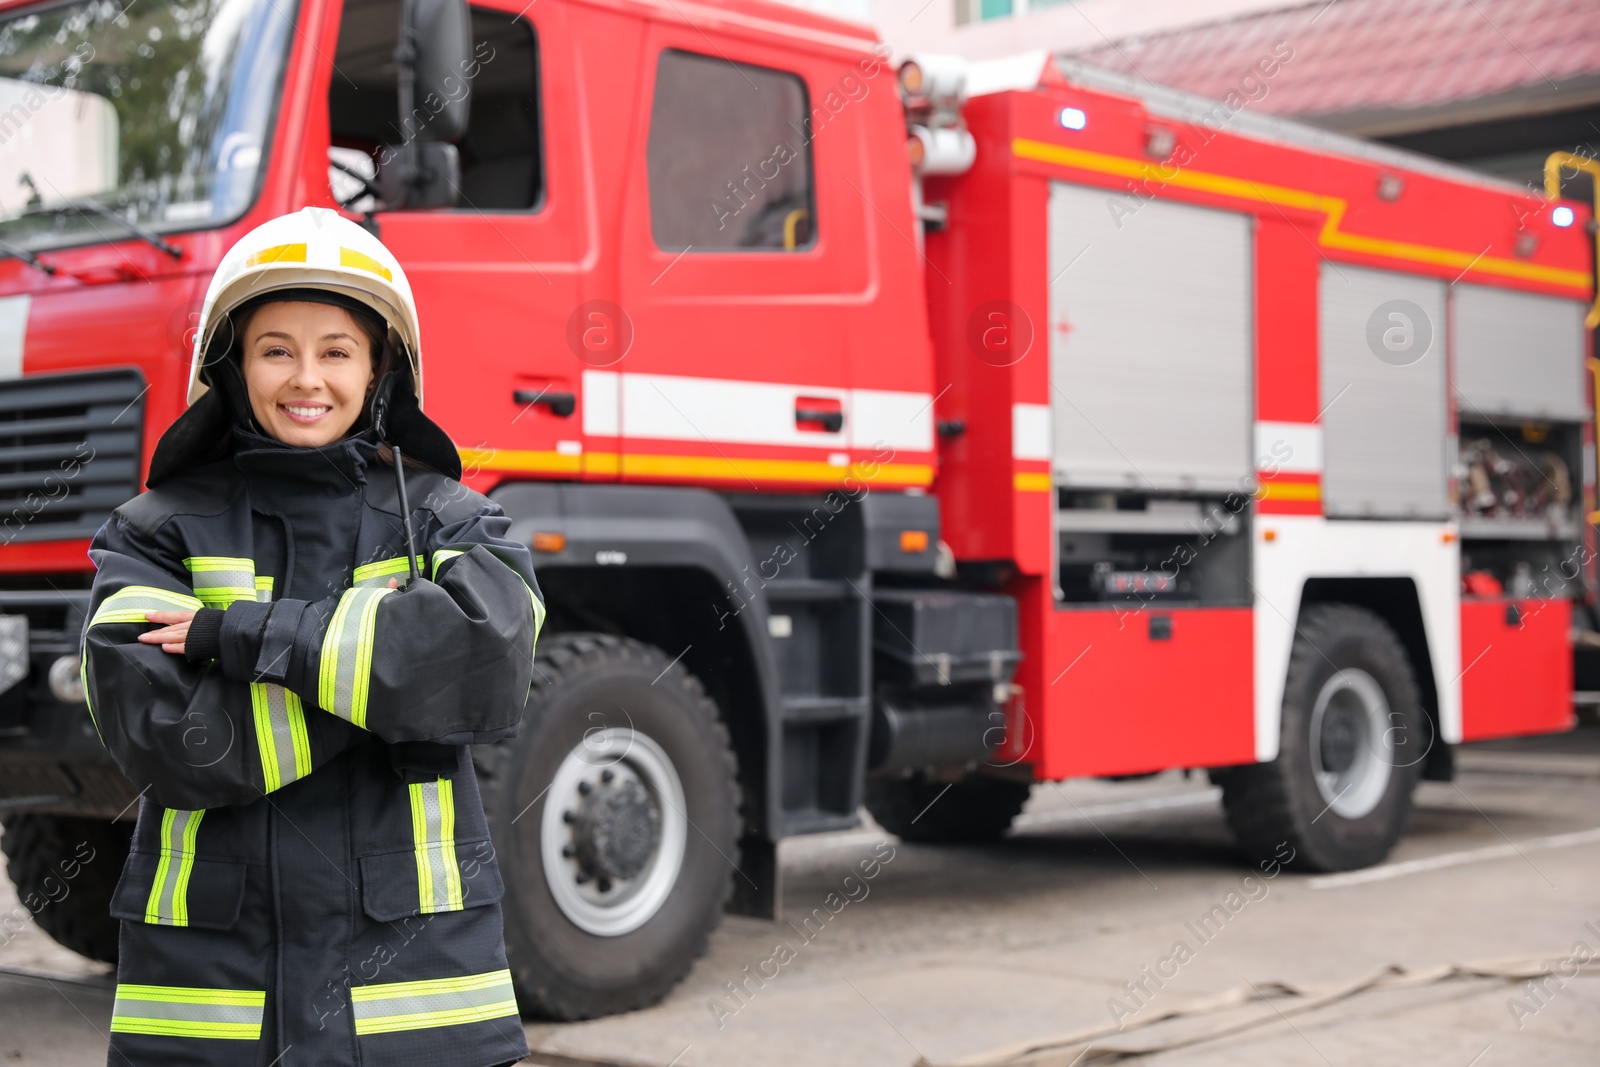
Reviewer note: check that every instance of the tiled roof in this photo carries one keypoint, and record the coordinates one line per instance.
(1378, 55)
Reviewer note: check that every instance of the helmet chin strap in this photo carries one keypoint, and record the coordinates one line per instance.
(229, 380)
(379, 414)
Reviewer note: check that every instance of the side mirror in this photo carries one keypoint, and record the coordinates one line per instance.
(435, 94)
(431, 181)
(441, 38)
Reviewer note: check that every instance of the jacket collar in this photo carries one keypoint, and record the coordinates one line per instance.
(333, 469)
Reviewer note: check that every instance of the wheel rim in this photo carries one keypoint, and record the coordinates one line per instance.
(1352, 752)
(614, 831)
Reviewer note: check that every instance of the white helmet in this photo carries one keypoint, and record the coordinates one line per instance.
(313, 248)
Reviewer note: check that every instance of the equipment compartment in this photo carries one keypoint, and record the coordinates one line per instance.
(1519, 501)
(1132, 549)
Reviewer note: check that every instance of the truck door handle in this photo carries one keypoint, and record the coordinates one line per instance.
(815, 414)
(560, 404)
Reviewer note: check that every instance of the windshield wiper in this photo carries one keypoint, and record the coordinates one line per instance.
(93, 206)
(9, 249)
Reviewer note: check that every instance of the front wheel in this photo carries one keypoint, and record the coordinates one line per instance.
(615, 817)
(1354, 741)
(64, 869)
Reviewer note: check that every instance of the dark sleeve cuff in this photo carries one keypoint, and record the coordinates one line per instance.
(204, 641)
(288, 642)
(240, 638)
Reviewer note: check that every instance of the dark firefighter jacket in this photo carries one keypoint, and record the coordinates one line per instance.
(311, 881)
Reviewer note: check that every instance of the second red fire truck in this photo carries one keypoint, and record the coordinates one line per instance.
(898, 434)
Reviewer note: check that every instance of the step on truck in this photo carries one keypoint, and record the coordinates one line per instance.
(887, 433)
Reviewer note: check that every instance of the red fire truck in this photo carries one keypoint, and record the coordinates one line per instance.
(886, 434)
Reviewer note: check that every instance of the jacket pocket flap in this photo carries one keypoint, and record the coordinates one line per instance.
(392, 882)
(202, 893)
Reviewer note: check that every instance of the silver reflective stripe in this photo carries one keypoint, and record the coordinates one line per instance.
(346, 667)
(211, 1013)
(422, 1005)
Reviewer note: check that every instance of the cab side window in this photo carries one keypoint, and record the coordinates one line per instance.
(729, 158)
(502, 157)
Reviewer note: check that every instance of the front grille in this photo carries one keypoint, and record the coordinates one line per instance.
(69, 452)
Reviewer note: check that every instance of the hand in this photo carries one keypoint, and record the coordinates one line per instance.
(173, 634)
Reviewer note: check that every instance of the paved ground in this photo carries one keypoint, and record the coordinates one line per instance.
(949, 953)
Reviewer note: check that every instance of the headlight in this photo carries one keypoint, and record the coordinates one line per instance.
(66, 684)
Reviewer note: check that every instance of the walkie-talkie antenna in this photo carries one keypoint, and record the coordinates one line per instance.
(405, 509)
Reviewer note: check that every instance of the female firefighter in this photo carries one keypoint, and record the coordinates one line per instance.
(335, 619)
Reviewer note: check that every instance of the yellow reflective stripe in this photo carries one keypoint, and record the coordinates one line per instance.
(290, 253)
(169, 892)
(184, 1011)
(264, 588)
(345, 674)
(538, 614)
(129, 604)
(442, 556)
(349, 257)
(177, 994)
(83, 679)
(447, 846)
(153, 909)
(380, 572)
(281, 735)
(132, 1024)
(220, 596)
(426, 987)
(219, 563)
(433, 836)
(401, 1006)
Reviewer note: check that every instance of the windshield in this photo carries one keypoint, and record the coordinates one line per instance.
(157, 109)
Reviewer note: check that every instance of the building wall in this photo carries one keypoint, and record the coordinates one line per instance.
(1012, 26)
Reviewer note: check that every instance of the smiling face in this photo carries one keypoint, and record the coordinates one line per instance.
(306, 367)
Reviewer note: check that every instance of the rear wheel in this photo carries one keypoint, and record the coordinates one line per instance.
(64, 869)
(917, 808)
(1354, 740)
(615, 816)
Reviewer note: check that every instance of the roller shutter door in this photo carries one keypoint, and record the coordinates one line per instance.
(1518, 355)
(1383, 394)
(1150, 343)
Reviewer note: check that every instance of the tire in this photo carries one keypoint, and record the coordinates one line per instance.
(598, 918)
(976, 808)
(1353, 746)
(49, 854)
